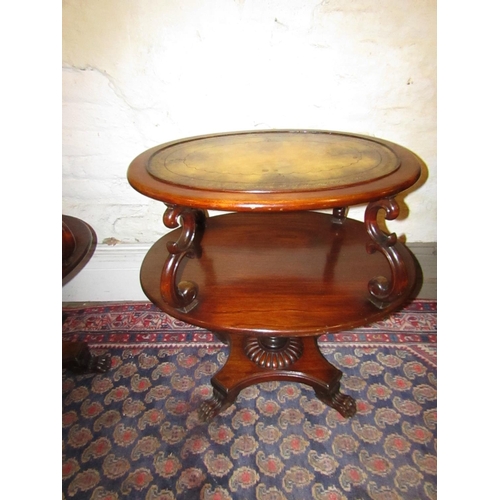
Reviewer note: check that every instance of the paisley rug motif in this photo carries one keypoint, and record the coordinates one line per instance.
(134, 432)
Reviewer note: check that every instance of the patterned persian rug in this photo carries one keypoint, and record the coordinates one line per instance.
(134, 431)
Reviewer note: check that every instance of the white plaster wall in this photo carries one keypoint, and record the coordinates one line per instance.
(140, 73)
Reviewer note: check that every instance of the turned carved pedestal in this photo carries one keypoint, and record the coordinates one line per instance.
(273, 275)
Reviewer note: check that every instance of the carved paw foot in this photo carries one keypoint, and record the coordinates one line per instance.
(78, 359)
(99, 364)
(212, 407)
(344, 404)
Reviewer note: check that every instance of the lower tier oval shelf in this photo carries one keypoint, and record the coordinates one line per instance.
(278, 274)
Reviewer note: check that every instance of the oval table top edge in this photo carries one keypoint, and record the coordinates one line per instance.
(401, 179)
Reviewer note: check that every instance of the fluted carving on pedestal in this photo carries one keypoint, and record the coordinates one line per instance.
(273, 352)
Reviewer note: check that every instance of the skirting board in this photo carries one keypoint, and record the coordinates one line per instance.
(112, 274)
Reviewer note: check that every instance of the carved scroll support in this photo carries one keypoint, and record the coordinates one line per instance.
(383, 291)
(181, 294)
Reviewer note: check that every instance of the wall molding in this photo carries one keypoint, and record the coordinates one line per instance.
(112, 275)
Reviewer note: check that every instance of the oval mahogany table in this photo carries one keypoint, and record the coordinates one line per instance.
(78, 245)
(272, 276)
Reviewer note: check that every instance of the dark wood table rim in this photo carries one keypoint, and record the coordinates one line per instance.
(402, 178)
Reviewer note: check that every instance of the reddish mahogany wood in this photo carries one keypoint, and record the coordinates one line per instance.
(295, 273)
(269, 283)
(311, 369)
(78, 245)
